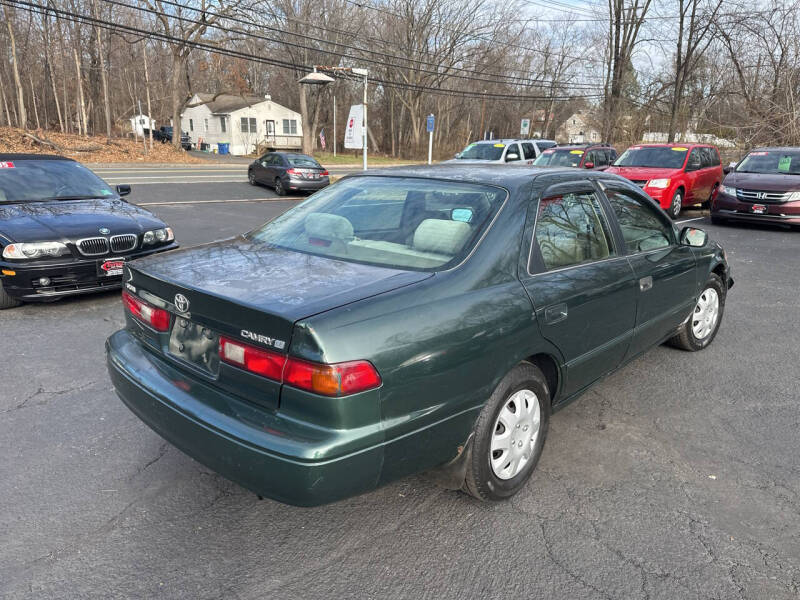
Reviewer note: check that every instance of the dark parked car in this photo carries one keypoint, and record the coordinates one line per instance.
(579, 156)
(64, 231)
(406, 320)
(164, 135)
(763, 188)
(286, 171)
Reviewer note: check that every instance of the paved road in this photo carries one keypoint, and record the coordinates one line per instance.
(677, 477)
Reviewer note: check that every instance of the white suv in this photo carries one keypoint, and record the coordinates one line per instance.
(522, 152)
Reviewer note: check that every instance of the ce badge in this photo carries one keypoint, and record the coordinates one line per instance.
(181, 303)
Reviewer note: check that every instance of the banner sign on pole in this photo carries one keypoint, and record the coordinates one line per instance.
(524, 127)
(355, 123)
(430, 123)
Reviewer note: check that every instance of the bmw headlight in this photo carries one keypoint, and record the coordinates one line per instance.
(31, 250)
(658, 183)
(158, 235)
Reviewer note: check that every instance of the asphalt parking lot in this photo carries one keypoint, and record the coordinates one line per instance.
(676, 477)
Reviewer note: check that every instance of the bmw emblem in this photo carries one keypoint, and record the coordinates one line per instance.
(105, 230)
(181, 302)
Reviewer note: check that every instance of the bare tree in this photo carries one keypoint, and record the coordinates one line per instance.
(22, 119)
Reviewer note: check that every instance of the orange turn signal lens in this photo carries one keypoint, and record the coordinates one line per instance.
(9, 272)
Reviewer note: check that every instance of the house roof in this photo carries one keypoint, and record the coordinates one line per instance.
(227, 103)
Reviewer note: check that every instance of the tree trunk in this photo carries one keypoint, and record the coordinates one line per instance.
(33, 99)
(22, 118)
(103, 78)
(82, 120)
(5, 102)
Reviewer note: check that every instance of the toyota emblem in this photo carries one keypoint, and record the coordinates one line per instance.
(105, 230)
(181, 303)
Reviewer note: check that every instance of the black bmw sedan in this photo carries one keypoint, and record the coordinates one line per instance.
(64, 231)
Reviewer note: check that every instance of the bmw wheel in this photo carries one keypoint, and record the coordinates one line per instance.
(509, 435)
(675, 204)
(279, 189)
(700, 328)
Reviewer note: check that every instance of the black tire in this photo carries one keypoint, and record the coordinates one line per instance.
(279, 189)
(7, 301)
(481, 480)
(675, 204)
(251, 177)
(686, 339)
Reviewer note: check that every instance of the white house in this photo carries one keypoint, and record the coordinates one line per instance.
(141, 122)
(578, 129)
(243, 122)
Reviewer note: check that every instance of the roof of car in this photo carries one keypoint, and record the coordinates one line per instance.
(12, 156)
(508, 141)
(776, 149)
(674, 145)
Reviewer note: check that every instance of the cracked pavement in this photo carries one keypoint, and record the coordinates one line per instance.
(676, 477)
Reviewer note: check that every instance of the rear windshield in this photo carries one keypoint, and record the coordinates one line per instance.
(397, 222)
(781, 162)
(559, 158)
(300, 160)
(37, 180)
(668, 157)
(483, 151)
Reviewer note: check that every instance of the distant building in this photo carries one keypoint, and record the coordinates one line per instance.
(658, 137)
(245, 122)
(579, 128)
(141, 122)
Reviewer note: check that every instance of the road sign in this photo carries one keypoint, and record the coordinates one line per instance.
(430, 123)
(355, 122)
(524, 127)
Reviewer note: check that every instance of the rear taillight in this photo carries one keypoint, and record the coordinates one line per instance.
(293, 171)
(157, 318)
(324, 173)
(340, 379)
(261, 362)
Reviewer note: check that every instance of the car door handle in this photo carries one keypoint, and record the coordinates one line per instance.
(555, 313)
(646, 283)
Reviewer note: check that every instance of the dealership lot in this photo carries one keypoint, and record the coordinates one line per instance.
(675, 477)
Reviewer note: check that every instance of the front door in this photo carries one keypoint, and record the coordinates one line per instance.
(580, 283)
(269, 127)
(665, 270)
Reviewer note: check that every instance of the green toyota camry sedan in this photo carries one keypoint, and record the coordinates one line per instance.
(421, 319)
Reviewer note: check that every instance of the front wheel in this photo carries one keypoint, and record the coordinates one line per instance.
(509, 435)
(251, 177)
(7, 301)
(703, 323)
(675, 204)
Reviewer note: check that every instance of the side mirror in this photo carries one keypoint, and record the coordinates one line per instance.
(588, 165)
(511, 156)
(457, 155)
(729, 168)
(123, 189)
(692, 236)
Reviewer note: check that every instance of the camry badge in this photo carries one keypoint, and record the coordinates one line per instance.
(105, 230)
(181, 303)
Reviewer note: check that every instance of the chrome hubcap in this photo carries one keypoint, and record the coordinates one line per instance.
(706, 314)
(515, 433)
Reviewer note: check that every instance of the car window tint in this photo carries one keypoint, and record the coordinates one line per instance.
(695, 160)
(642, 227)
(528, 150)
(571, 229)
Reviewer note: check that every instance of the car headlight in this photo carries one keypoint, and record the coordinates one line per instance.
(793, 197)
(158, 235)
(726, 189)
(658, 183)
(30, 250)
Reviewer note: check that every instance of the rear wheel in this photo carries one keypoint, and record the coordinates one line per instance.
(675, 204)
(7, 301)
(279, 189)
(509, 435)
(702, 325)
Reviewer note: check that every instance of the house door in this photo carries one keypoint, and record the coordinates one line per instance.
(270, 129)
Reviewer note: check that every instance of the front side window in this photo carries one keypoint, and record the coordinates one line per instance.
(512, 150)
(396, 222)
(643, 228)
(571, 229)
(695, 161)
(667, 157)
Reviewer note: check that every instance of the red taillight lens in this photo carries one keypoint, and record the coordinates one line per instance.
(261, 362)
(157, 318)
(324, 173)
(293, 171)
(340, 379)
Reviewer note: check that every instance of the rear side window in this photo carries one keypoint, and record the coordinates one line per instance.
(642, 227)
(571, 229)
(528, 151)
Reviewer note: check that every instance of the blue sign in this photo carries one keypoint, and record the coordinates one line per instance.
(430, 123)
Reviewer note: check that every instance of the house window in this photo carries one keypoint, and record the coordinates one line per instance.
(191, 125)
(206, 124)
(249, 125)
(253, 126)
(289, 127)
(222, 124)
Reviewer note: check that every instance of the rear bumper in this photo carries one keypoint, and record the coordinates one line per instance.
(730, 208)
(307, 185)
(272, 455)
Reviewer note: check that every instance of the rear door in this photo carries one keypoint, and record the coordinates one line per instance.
(665, 271)
(695, 188)
(581, 285)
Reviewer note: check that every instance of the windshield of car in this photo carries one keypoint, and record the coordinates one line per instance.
(300, 160)
(661, 157)
(776, 162)
(482, 152)
(37, 180)
(396, 222)
(559, 158)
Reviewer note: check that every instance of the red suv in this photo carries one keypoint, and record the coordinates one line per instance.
(674, 175)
